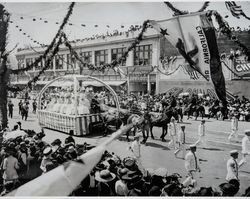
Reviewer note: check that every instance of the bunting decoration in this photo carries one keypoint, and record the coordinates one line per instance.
(235, 10)
(194, 37)
(226, 30)
(114, 63)
(50, 47)
(178, 12)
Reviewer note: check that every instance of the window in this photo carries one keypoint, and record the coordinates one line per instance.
(116, 53)
(71, 61)
(39, 65)
(59, 61)
(143, 55)
(86, 56)
(101, 57)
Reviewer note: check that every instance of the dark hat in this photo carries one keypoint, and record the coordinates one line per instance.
(183, 126)
(56, 142)
(227, 189)
(19, 123)
(104, 176)
(154, 191)
(132, 176)
(203, 121)
(192, 146)
(247, 132)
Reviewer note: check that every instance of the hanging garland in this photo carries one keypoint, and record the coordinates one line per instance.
(178, 12)
(47, 65)
(226, 30)
(65, 21)
(114, 62)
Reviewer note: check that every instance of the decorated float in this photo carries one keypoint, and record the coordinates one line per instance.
(74, 102)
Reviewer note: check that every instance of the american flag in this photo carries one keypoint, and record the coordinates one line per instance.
(235, 10)
(190, 71)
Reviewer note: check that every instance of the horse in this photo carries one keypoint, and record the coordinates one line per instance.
(195, 110)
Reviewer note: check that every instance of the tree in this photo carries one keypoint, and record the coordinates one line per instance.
(4, 75)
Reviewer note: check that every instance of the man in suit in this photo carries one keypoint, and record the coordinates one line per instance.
(192, 166)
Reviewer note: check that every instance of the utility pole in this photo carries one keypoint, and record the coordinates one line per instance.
(4, 76)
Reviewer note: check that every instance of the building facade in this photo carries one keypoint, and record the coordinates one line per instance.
(139, 67)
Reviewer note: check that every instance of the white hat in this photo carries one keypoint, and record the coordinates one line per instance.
(234, 152)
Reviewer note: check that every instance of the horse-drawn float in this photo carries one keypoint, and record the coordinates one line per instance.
(74, 102)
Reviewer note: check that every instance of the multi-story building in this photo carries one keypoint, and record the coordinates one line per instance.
(138, 67)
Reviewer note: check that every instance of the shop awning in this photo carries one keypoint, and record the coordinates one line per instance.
(98, 84)
(85, 83)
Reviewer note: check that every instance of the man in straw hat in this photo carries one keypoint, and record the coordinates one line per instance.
(234, 128)
(233, 166)
(245, 148)
(104, 178)
(47, 152)
(192, 166)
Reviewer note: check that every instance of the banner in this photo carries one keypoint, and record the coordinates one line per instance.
(194, 37)
(241, 66)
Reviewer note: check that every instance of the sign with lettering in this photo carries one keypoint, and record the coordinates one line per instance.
(242, 66)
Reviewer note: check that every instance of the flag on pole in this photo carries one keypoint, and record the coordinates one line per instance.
(194, 37)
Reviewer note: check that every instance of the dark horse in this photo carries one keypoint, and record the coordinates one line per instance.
(197, 109)
(163, 121)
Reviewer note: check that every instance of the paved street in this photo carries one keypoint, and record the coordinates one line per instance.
(156, 153)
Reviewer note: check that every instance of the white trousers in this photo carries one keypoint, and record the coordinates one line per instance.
(202, 139)
(245, 159)
(172, 141)
(182, 148)
(233, 134)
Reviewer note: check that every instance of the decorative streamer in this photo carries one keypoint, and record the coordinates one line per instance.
(226, 30)
(65, 20)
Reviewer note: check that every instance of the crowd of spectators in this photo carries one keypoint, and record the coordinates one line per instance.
(25, 158)
(236, 106)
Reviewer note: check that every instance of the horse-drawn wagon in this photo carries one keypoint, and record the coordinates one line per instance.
(71, 103)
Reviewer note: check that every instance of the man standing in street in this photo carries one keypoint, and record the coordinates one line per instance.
(181, 142)
(201, 134)
(192, 166)
(172, 129)
(245, 148)
(20, 105)
(233, 166)
(135, 148)
(234, 128)
(34, 105)
(10, 107)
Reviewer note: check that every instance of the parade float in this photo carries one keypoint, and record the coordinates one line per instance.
(74, 102)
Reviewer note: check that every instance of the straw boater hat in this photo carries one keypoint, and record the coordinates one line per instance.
(104, 176)
(47, 151)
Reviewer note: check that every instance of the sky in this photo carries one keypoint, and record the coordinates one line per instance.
(113, 14)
